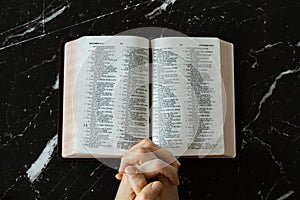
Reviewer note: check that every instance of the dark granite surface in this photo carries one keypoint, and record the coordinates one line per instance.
(266, 36)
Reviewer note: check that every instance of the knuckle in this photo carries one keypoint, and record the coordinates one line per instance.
(141, 150)
(147, 141)
(157, 163)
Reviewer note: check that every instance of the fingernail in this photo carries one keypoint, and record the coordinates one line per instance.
(178, 163)
(157, 186)
(118, 176)
(131, 170)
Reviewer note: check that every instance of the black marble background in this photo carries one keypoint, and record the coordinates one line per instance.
(266, 36)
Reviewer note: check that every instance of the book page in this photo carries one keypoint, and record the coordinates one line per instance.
(110, 93)
(187, 110)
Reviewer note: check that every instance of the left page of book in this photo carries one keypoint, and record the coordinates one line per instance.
(106, 95)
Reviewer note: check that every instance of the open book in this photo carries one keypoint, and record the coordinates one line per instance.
(179, 91)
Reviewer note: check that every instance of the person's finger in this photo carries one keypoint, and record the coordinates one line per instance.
(140, 144)
(138, 156)
(170, 191)
(150, 191)
(160, 152)
(164, 180)
(136, 179)
(119, 176)
(163, 154)
(124, 190)
(153, 168)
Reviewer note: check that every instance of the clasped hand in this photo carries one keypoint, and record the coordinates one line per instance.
(145, 161)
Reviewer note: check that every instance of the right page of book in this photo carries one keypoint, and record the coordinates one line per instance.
(187, 113)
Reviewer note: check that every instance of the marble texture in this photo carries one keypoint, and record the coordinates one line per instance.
(266, 36)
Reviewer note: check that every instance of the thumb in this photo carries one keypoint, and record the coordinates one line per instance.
(150, 191)
(135, 178)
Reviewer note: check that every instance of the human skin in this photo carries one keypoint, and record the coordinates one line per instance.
(145, 161)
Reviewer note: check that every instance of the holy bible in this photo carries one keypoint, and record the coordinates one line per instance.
(178, 91)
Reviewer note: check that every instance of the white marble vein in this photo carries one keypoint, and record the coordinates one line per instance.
(267, 46)
(36, 168)
(61, 180)
(249, 132)
(37, 65)
(55, 14)
(277, 131)
(260, 195)
(271, 89)
(11, 136)
(291, 124)
(34, 117)
(56, 84)
(271, 190)
(255, 63)
(70, 26)
(10, 187)
(224, 3)
(96, 169)
(269, 150)
(157, 11)
(286, 195)
(264, 14)
(269, 93)
(67, 188)
(260, 82)
(36, 23)
(93, 185)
